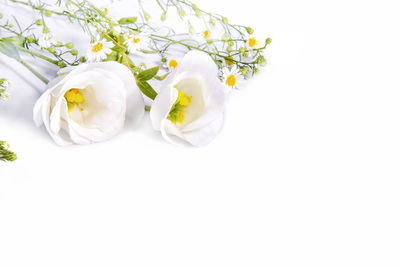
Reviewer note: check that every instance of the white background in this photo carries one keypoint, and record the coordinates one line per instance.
(305, 173)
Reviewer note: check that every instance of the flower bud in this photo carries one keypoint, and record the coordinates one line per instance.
(82, 59)
(225, 20)
(74, 52)
(51, 50)
(163, 16)
(268, 41)
(47, 13)
(249, 30)
(39, 22)
(61, 64)
(69, 45)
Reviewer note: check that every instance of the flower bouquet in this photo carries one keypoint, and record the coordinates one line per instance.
(166, 57)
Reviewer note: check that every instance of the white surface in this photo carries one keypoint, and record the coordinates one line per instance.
(305, 173)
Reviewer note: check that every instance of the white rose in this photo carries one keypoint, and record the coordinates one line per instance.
(89, 103)
(190, 107)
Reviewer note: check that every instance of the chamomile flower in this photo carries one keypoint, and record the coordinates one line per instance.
(253, 43)
(99, 50)
(47, 40)
(232, 78)
(136, 42)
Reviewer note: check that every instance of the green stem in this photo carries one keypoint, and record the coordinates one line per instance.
(38, 55)
(37, 74)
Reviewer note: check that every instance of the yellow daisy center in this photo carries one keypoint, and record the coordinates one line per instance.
(177, 113)
(206, 34)
(231, 80)
(97, 47)
(136, 40)
(173, 64)
(74, 97)
(252, 42)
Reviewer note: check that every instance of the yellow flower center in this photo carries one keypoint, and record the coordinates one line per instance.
(97, 47)
(206, 34)
(74, 97)
(177, 113)
(231, 80)
(173, 64)
(252, 42)
(135, 40)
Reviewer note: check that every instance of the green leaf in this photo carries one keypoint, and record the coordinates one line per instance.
(129, 20)
(9, 49)
(147, 74)
(146, 89)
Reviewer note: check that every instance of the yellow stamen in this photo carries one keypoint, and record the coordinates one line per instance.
(74, 97)
(97, 47)
(177, 113)
(231, 80)
(206, 34)
(173, 63)
(135, 40)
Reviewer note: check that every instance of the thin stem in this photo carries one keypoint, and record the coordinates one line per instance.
(37, 55)
(37, 74)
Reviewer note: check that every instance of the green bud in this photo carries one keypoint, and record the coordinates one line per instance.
(39, 22)
(262, 61)
(231, 43)
(229, 49)
(30, 40)
(47, 13)
(61, 64)
(268, 41)
(181, 13)
(46, 30)
(209, 41)
(255, 71)
(242, 50)
(69, 45)
(163, 60)
(74, 52)
(245, 70)
(163, 16)
(82, 59)
(249, 30)
(246, 54)
(129, 20)
(225, 20)
(1, 16)
(51, 50)
(147, 16)
(212, 22)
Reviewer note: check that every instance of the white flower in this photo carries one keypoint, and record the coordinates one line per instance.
(136, 42)
(99, 50)
(253, 43)
(89, 104)
(232, 78)
(47, 40)
(191, 104)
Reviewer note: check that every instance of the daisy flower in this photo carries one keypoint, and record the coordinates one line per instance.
(99, 50)
(136, 42)
(232, 78)
(253, 43)
(47, 40)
